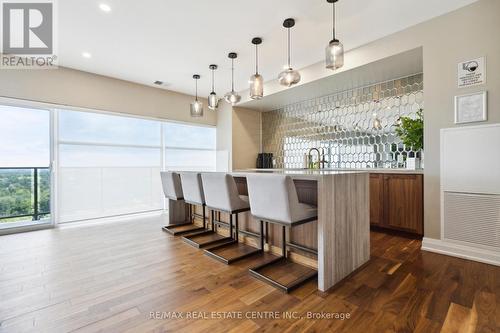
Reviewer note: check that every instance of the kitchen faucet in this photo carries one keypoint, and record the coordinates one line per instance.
(311, 164)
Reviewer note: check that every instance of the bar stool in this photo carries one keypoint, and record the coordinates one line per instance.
(172, 188)
(221, 194)
(274, 199)
(193, 194)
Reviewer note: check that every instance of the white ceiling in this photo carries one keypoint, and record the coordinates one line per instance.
(169, 40)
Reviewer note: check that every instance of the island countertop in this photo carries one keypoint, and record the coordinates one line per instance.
(332, 171)
(307, 174)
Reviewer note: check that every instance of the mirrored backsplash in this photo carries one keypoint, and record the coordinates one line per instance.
(354, 128)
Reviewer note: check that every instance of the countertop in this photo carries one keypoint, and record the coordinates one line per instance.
(319, 172)
(296, 173)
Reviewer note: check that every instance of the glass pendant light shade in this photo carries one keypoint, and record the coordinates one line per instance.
(289, 76)
(256, 80)
(256, 86)
(196, 107)
(232, 97)
(213, 100)
(334, 53)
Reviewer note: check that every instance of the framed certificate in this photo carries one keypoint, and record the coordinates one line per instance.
(471, 108)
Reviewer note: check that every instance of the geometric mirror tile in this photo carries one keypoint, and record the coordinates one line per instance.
(353, 128)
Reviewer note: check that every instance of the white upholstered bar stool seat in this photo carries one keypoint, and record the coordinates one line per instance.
(274, 199)
(221, 194)
(171, 184)
(192, 186)
(172, 188)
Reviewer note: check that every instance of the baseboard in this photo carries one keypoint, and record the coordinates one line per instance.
(461, 251)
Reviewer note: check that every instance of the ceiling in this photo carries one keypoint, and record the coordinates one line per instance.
(170, 40)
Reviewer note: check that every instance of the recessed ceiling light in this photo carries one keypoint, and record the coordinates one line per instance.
(105, 7)
(86, 55)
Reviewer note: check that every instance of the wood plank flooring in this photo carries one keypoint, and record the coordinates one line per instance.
(112, 277)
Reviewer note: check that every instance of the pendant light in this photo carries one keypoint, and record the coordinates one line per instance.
(232, 97)
(256, 80)
(213, 100)
(289, 76)
(335, 49)
(196, 106)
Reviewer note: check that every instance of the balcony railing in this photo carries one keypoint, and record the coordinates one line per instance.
(24, 193)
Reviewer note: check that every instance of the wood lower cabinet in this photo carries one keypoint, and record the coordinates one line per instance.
(376, 199)
(396, 202)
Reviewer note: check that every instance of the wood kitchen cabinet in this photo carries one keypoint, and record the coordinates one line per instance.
(396, 202)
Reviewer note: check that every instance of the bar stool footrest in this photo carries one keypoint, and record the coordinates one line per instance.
(231, 252)
(302, 273)
(205, 238)
(183, 228)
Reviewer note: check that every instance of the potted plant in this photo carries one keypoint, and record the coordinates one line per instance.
(411, 132)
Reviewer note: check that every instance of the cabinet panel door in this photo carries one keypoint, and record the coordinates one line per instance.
(403, 205)
(376, 199)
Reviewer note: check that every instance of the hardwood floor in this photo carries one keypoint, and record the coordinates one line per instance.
(110, 277)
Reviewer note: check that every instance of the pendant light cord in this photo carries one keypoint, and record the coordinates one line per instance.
(334, 20)
(232, 75)
(196, 90)
(289, 66)
(256, 59)
(213, 74)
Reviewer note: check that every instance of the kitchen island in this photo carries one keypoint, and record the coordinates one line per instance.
(341, 235)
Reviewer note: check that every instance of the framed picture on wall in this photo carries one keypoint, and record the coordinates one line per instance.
(471, 108)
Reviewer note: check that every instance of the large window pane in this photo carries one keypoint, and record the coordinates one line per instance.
(24, 137)
(93, 192)
(103, 128)
(104, 171)
(108, 156)
(24, 162)
(190, 160)
(189, 136)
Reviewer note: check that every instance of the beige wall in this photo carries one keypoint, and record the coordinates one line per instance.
(246, 138)
(224, 135)
(467, 33)
(238, 133)
(81, 89)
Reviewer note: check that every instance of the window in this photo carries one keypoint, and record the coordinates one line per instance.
(24, 165)
(189, 148)
(110, 165)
